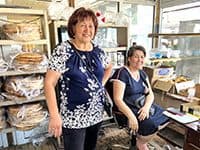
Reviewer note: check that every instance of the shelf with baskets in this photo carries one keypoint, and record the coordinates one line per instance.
(9, 42)
(24, 42)
(24, 53)
(25, 26)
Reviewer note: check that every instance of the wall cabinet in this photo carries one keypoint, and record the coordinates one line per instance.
(18, 30)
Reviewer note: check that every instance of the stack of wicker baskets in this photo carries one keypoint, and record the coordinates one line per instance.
(24, 86)
(22, 31)
(27, 116)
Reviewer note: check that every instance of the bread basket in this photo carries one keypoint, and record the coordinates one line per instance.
(22, 31)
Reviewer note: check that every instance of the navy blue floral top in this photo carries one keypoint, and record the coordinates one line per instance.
(81, 100)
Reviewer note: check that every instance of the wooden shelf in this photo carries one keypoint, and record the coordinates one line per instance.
(182, 98)
(23, 16)
(65, 22)
(115, 49)
(23, 11)
(10, 42)
(174, 59)
(8, 130)
(173, 34)
(112, 26)
(21, 100)
(15, 72)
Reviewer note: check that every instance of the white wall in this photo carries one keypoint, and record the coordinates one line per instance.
(2, 2)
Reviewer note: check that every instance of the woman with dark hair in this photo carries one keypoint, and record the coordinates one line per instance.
(134, 98)
(72, 66)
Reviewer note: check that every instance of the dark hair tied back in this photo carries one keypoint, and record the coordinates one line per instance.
(132, 50)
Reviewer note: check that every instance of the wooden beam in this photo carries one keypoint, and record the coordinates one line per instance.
(173, 34)
(71, 3)
(156, 23)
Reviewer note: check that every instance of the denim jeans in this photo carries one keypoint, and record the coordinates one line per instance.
(81, 139)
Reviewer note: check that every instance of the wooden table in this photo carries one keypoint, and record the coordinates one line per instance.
(192, 136)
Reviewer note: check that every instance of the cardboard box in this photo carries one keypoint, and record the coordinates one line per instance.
(192, 107)
(156, 73)
(197, 90)
(186, 88)
(23, 137)
(164, 85)
(184, 85)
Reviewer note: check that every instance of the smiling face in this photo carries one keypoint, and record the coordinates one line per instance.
(136, 61)
(82, 23)
(84, 30)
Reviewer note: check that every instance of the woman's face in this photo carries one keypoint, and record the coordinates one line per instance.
(84, 30)
(137, 59)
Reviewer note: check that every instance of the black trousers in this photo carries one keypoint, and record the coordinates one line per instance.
(81, 139)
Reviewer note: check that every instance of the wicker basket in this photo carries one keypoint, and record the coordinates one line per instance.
(22, 32)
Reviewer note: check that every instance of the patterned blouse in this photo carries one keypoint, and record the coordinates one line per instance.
(80, 96)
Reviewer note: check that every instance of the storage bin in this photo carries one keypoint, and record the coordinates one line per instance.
(3, 140)
(155, 73)
(23, 137)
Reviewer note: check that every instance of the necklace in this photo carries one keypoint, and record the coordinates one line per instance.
(82, 46)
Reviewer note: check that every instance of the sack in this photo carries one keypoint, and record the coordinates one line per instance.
(139, 102)
(108, 104)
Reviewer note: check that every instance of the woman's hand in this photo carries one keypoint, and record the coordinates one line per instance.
(133, 123)
(143, 113)
(55, 125)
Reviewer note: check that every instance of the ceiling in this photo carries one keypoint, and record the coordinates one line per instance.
(34, 4)
(43, 4)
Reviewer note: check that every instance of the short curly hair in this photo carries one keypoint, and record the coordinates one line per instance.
(79, 15)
